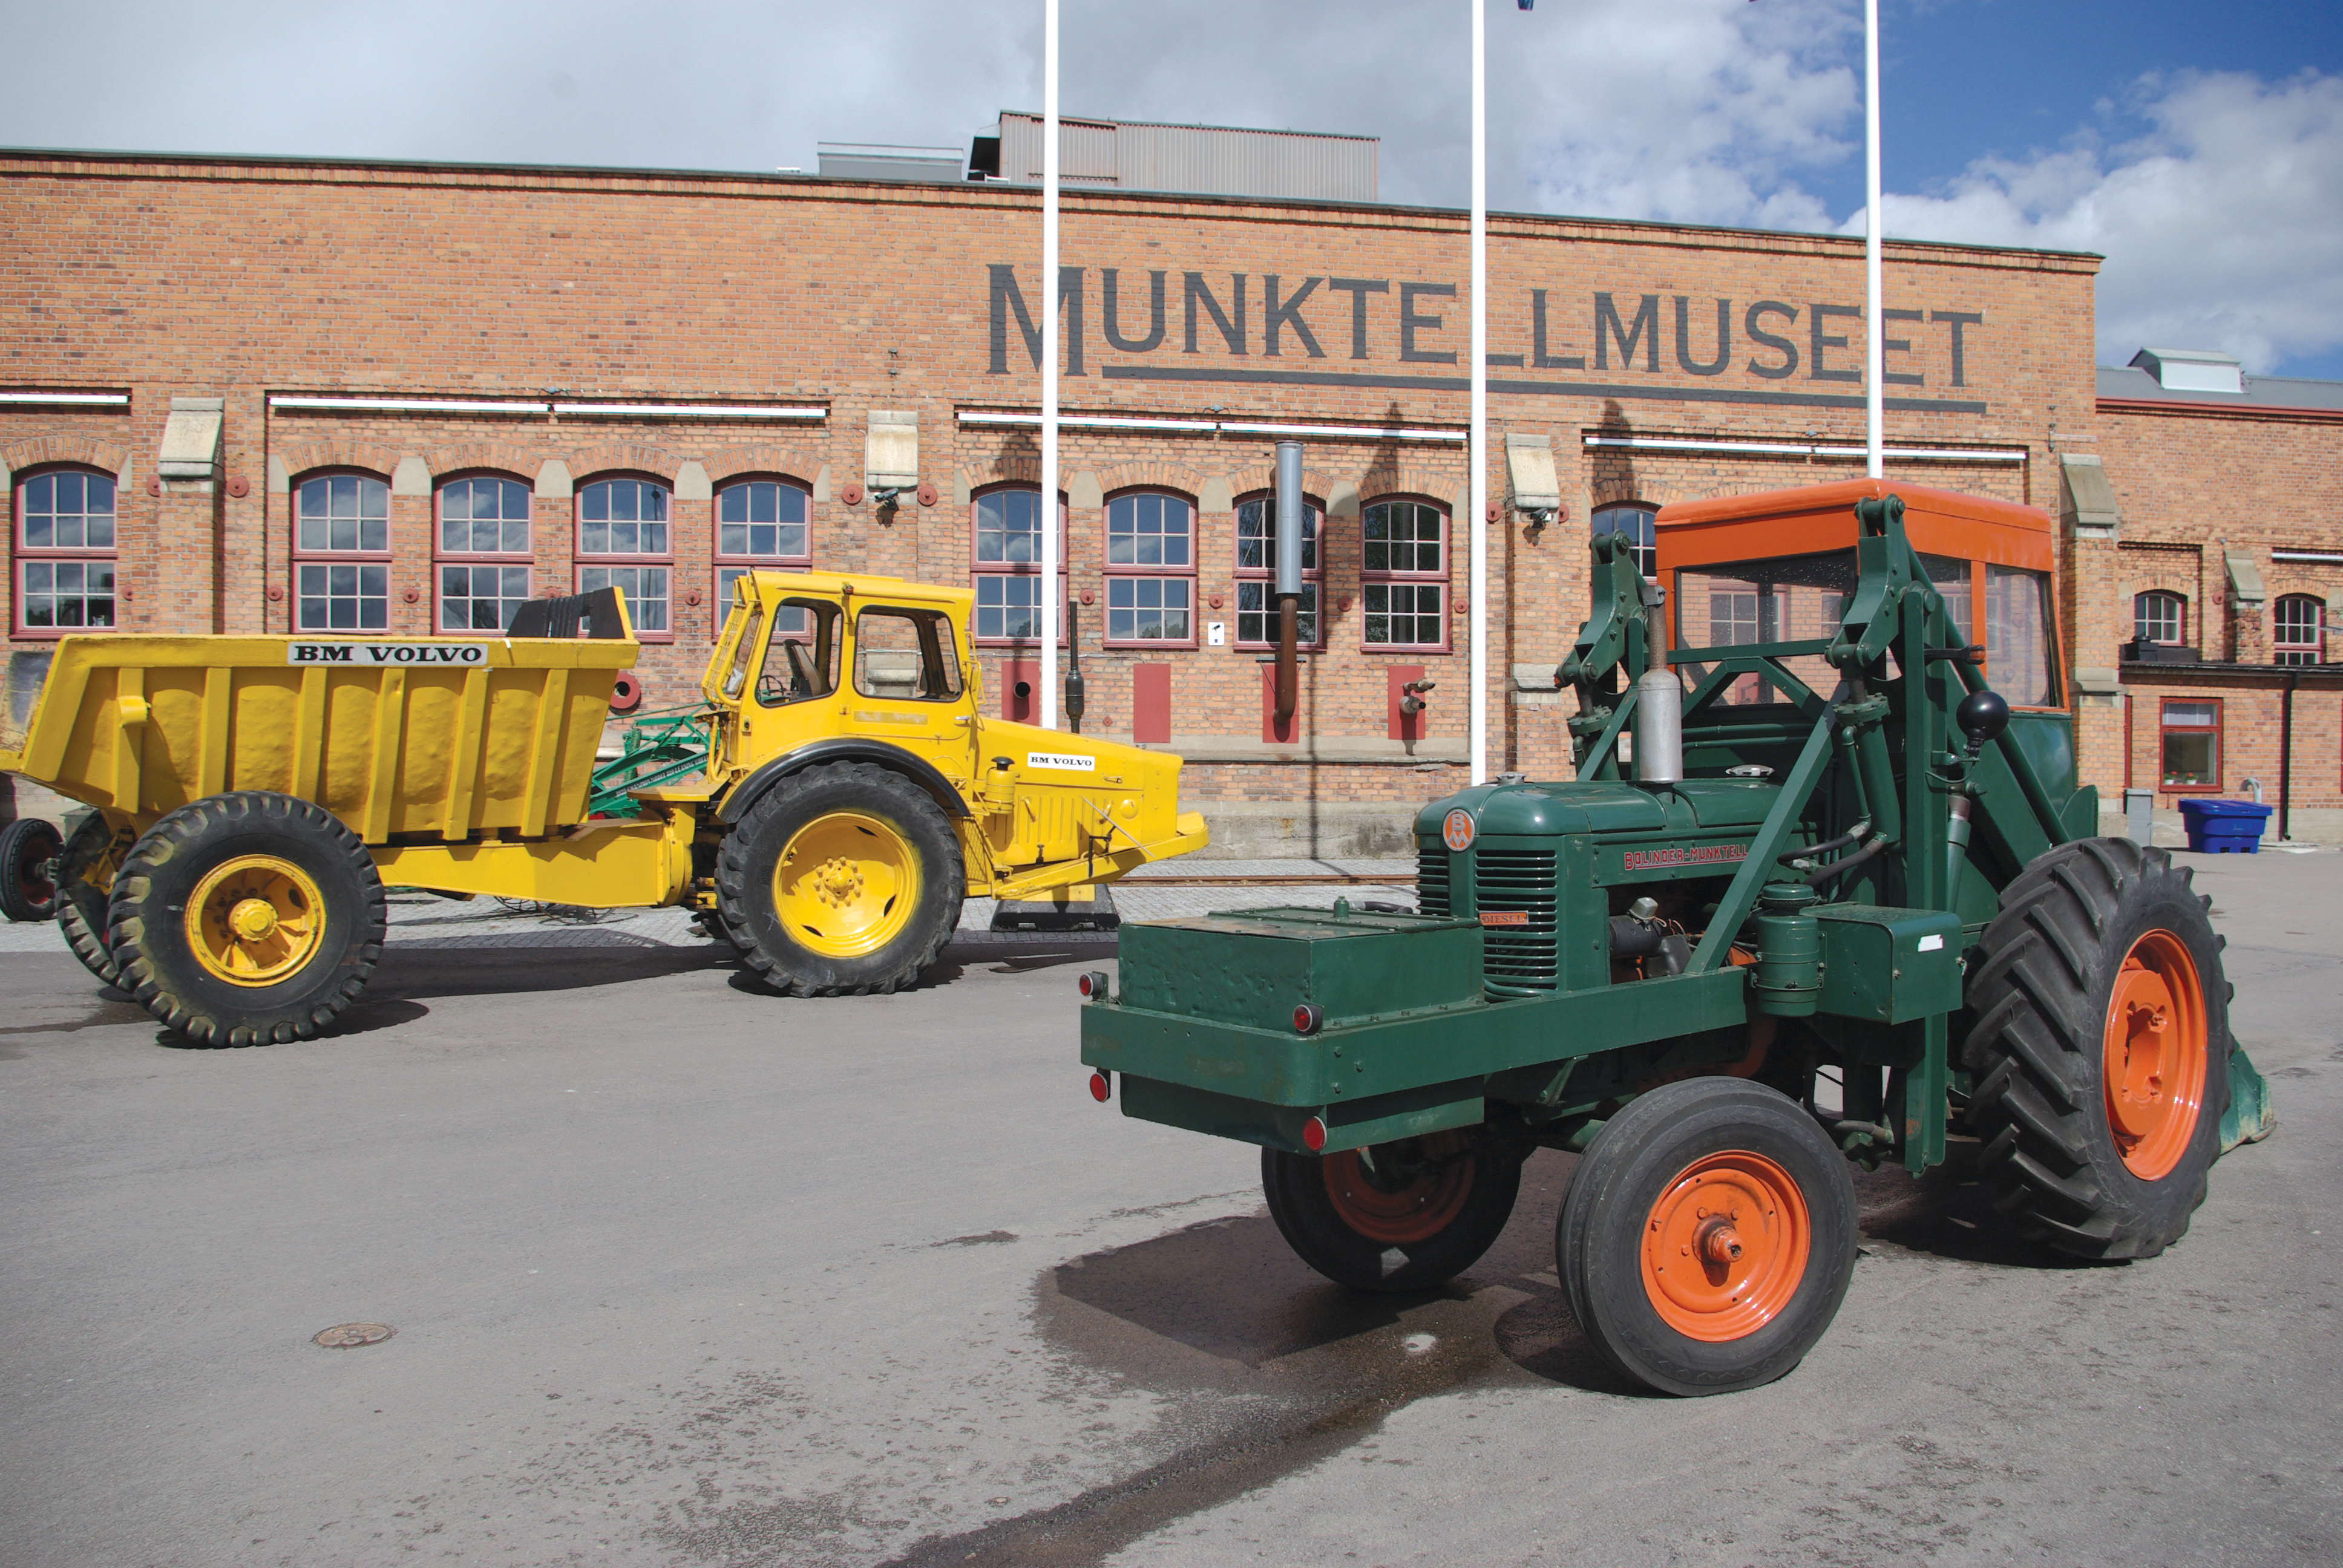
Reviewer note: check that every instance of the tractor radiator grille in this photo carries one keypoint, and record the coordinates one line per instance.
(1517, 957)
(1431, 879)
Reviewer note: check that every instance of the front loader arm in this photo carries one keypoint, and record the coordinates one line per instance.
(1613, 642)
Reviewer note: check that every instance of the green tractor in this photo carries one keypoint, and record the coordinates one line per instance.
(1825, 886)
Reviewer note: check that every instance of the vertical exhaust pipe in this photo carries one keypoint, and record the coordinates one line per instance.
(1289, 574)
(1659, 726)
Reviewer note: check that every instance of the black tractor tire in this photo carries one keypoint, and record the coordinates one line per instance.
(1640, 1202)
(839, 804)
(204, 866)
(29, 848)
(93, 855)
(2042, 988)
(1409, 1215)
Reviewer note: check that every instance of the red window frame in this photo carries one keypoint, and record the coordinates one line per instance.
(500, 560)
(1372, 577)
(2316, 648)
(1313, 577)
(635, 561)
(726, 564)
(309, 557)
(2216, 729)
(52, 556)
(981, 571)
(1131, 574)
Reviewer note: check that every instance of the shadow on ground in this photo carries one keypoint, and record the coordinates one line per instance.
(1223, 1308)
(409, 974)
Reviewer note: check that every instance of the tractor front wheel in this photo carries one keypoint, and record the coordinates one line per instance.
(248, 919)
(842, 879)
(1707, 1237)
(29, 847)
(2101, 1049)
(1407, 1215)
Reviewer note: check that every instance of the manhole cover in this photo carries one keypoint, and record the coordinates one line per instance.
(350, 1336)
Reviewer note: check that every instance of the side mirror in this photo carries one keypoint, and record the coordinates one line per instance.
(1982, 717)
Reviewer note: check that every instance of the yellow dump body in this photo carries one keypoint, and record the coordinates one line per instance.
(395, 735)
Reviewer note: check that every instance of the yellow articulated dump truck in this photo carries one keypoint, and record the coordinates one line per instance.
(828, 806)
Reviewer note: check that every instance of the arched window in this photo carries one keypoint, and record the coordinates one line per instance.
(1151, 570)
(2300, 624)
(64, 552)
(2159, 616)
(1640, 524)
(1404, 575)
(1257, 575)
(484, 552)
(1005, 563)
(623, 542)
(760, 526)
(341, 553)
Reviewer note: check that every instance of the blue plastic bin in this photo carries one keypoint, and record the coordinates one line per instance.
(2223, 827)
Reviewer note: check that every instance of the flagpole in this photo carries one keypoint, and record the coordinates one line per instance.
(1047, 709)
(1875, 359)
(1478, 447)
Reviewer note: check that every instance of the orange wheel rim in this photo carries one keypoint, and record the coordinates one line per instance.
(1725, 1247)
(2153, 1074)
(1400, 1193)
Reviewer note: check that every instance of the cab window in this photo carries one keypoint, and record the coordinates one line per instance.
(1791, 598)
(905, 655)
(744, 652)
(801, 655)
(2017, 650)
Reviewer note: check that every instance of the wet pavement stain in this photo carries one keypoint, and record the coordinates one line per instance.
(986, 1239)
(1283, 1369)
(1278, 1368)
(106, 1013)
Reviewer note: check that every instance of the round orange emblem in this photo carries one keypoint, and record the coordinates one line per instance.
(1456, 832)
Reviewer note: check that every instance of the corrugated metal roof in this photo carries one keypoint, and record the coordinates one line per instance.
(2135, 385)
(1202, 160)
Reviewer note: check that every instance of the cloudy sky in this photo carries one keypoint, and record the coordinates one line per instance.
(2198, 145)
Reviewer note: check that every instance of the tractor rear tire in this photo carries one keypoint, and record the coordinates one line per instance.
(1409, 1215)
(2100, 1054)
(29, 847)
(845, 879)
(1707, 1237)
(85, 872)
(248, 919)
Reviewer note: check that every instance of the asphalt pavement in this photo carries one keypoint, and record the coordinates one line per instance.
(682, 1273)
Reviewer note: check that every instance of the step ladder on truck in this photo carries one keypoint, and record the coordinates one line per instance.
(827, 806)
(1826, 889)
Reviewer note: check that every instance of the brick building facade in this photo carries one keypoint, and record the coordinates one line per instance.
(412, 394)
(2218, 576)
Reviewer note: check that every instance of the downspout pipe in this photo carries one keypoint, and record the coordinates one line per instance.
(2286, 758)
(1288, 576)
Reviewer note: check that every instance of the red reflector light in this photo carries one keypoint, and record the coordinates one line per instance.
(1313, 1135)
(1307, 1017)
(1083, 984)
(1101, 1090)
(1093, 985)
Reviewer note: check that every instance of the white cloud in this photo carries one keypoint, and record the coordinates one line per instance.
(1691, 111)
(2223, 226)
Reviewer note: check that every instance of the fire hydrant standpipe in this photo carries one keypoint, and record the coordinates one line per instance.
(1289, 574)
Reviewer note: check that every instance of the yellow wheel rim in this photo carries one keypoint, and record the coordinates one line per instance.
(255, 920)
(846, 885)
